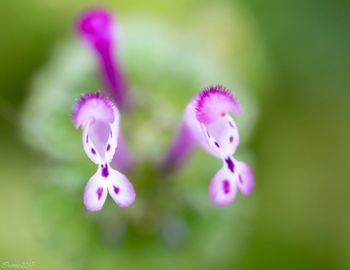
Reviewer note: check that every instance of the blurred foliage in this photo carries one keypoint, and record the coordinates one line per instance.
(295, 61)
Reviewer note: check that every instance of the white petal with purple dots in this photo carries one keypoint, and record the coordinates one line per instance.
(207, 117)
(120, 189)
(95, 193)
(245, 178)
(223, 187)
(99, 119)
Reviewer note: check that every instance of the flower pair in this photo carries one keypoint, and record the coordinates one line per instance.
(206, 123)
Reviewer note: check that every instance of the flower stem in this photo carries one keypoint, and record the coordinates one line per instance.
(122, 158)
(113, 75)
(180, 149)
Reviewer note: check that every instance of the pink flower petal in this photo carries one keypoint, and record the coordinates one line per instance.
(111, 145)
(120, 189)
(213, 102)
(197, 133)
(245, 180)
(92, 107)
(222, 135)
(99, 119)
(89, 147)
(223, 187)
(95, 193)
(218, 134)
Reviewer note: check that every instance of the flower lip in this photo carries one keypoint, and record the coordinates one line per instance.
(215, 101)
(95, 23)
(92, 107)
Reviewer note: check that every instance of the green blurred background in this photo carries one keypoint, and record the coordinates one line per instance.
(297, 70)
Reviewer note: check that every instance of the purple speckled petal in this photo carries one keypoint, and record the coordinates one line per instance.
(245, 179)
(199, 136)
(120, 189)
(110, 147)
(99, 119)
(89, 147)
(222, 135)
(223, 187)
(95, 193)
(209, 122)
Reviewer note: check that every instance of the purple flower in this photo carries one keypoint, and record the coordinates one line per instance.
(100, 119)
(207, 123)
(97, 27)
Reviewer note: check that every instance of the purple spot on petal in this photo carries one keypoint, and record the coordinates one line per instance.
(99, 192)
(116, 189)
(108, 147)
(226, 186)
(231, 139)
(240, 179)
(230, 164)
(87, 139)
(105, 171)
(217, 144)
(93, 151)
(208, 134)
(231, 125)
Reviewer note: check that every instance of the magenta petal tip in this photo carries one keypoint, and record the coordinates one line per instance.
(95, 24)
(215, 101)
(93, 106)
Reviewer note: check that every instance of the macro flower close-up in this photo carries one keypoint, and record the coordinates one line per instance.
(174, 135)
(207, 123)
(99, 119)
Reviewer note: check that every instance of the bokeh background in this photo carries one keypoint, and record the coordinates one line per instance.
(291, 56)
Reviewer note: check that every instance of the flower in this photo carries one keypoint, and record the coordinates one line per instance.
(99, 119)
(97, 27)
(207, 123)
